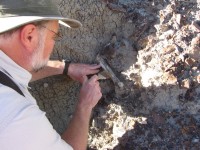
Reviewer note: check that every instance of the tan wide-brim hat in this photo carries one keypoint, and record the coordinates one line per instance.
(16, 13)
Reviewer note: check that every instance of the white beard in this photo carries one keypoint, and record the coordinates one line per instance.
(38, 62)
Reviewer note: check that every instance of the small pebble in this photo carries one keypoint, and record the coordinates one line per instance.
(195, 140)
(46, 85)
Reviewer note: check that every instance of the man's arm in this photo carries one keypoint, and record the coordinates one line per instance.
(53, 68)
(77, 132)
(76, 71)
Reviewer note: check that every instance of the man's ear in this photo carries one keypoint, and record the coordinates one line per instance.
(29, 37)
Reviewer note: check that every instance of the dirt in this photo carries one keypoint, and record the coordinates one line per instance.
(153, 47)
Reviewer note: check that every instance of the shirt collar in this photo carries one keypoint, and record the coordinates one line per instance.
(19, 74)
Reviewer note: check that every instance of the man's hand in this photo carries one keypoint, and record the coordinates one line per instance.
(90, 93)
(77, 132)
(77, 71)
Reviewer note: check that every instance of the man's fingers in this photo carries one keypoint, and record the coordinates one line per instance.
(94, 66)
(92, 72)
(85, 79)
(94, 78)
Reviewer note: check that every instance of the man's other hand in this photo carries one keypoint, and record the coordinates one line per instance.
(90, 93)
(77, 71)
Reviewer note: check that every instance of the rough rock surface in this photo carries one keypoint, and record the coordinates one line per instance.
(153, 47)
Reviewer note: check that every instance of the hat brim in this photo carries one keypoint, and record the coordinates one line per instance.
(9, 23)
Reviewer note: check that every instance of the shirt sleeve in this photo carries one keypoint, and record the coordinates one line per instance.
(31, 130)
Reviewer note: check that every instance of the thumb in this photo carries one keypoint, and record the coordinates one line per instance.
(84, 79)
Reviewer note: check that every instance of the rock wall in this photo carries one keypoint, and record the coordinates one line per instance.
(153, 48)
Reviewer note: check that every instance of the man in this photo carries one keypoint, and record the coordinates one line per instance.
(28, 30)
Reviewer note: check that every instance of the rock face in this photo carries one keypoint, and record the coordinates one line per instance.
(153, 47)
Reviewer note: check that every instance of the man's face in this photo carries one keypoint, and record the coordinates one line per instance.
(45, 45)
